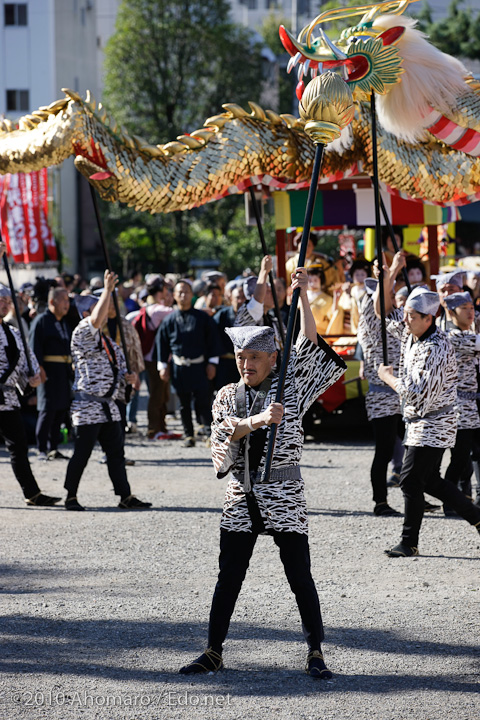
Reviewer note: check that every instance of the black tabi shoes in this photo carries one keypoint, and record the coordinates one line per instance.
(208, 662)
(41, 500)
(384, 509)
(71, 503)
(133, 503)
(316, 667)
(402, 551)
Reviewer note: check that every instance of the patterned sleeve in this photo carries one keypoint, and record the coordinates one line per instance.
(84, 339)
(224, 449)
(22, 360)
(465, 342)
(396, 323)
(316, 368)
(250, 313)
(424, 388)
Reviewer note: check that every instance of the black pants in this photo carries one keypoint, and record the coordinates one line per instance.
(47, 430)
(236, 549)
(203, 407)
(110, 437)
(421, 473)
(460, 460)
(385, 431)
(13, 431)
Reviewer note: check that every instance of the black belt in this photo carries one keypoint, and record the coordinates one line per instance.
(80, 395)
(381, 389)
(432, 414)
(464, 395)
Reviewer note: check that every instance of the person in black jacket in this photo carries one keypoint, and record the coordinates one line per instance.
(50, 337)
(190, 339)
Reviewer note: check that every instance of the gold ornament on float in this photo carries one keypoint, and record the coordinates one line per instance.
(327, 107)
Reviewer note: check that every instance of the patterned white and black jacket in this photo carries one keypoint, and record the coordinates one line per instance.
(427, 385)
(467, 350)
(251, 313)
(380, 400)
(311, 370)
(8, 395)
(94, 375)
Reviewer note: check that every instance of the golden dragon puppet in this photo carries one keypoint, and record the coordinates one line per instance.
(428, 135)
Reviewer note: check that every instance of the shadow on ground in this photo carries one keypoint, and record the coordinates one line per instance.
(97, 649)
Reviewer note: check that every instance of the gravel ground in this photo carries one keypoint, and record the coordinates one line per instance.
(101, 608)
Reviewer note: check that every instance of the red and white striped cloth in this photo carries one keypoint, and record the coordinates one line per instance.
(459, 138)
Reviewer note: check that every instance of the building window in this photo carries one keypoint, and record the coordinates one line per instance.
(251, 4)
(271, 4)
(18, 100)
(15, 13)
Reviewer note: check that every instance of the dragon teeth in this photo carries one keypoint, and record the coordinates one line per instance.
(293, 61)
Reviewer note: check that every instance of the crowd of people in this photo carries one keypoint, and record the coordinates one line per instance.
(210, 348)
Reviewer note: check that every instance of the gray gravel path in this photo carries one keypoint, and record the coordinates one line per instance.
(100, 609)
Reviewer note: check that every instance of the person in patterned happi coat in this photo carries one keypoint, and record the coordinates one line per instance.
(381, 401)
(13, 372)
(242, 415)
(427, 386)
(100, 371)
(466, 343)
(259, 302)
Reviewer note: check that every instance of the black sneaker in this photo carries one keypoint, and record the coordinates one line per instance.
(316, 666)
(208, 662)
(41, 500)
(133, 503)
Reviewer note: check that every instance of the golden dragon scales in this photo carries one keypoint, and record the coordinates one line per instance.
(428, 134)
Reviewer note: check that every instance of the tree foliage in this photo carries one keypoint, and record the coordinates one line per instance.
(457, 34)
(170, 65)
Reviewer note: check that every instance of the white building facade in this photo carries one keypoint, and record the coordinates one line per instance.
(46, 45)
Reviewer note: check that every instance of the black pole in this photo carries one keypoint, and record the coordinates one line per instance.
(378, 238)
(270, 275)
(394, 240)
(312, 193)
(109, 268)
(18, 316)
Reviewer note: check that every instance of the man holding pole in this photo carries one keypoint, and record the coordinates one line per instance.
(243, 416)
(100, 370)
(13, 372)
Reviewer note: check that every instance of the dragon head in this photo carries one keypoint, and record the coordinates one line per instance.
(365, 54)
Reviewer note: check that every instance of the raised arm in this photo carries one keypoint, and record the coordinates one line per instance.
(261, 286)
(307, 321)
(98, 318)
(389, 275)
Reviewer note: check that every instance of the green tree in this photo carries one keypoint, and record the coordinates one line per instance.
(457, 34)
(172, 63)
(169, 65)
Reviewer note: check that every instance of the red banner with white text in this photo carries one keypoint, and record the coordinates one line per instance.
(23, 217)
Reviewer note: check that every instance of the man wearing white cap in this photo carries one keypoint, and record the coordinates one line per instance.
(100, 370)
(13, 373)
(466, 343)
(427, 386)
(447, 284)
(242, 416)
